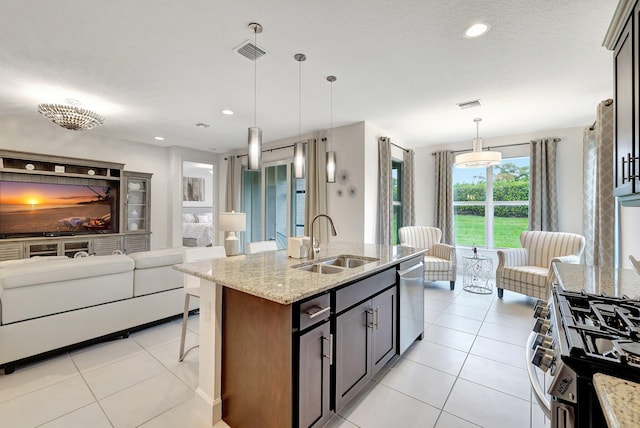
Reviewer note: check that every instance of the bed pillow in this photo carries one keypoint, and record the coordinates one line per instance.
(203, 219)
(188, 218)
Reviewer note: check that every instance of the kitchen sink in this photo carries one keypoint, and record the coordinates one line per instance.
(320, 268)
(347, 261)
(335, 264)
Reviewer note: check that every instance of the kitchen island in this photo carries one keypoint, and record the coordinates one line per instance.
(284, 345)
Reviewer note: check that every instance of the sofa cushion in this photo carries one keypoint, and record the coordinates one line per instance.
(156, 258)
(34, 259)
(526, 274)
(432, 263)
(39, 289)
(154, 271)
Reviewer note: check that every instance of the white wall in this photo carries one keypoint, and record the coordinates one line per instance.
(47, 138)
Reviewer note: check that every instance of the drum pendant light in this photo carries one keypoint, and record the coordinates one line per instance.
(478, 158)
(255, 133)
(331, 155)
(298, 148)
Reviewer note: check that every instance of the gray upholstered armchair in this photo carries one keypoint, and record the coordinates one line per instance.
(439, 260)
(529, 270)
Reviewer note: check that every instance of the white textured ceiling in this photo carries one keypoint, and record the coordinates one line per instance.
(158, 67)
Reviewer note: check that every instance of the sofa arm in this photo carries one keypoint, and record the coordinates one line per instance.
(444, 251)
(510, 257)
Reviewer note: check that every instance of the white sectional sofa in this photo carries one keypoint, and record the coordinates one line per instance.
(51, 303)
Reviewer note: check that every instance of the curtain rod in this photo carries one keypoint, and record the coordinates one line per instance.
(393, 144)
(555, 140)
(266, 150)
(607, 103)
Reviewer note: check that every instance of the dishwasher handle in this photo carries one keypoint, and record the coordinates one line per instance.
(405, 272)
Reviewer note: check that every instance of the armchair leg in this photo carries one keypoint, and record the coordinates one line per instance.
(500, 292)
(452, 284)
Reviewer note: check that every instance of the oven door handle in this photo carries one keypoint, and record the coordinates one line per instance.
(544, 402)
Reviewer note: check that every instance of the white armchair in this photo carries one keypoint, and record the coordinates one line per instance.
(439, 260)
(529, 270)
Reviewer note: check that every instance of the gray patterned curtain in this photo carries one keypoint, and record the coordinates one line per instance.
(599, 209)
(316, 189)
(408, 199)
(543, 186)
(443, 215)
(385, 198)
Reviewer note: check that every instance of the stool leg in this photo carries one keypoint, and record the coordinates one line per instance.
(185, 317)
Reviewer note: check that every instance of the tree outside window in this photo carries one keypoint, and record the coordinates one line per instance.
(491, 206)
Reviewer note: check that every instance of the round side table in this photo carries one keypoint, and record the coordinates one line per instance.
(477, 272)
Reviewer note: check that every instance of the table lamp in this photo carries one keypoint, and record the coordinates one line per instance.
(232, 222)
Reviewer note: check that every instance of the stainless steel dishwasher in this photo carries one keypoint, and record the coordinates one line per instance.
(411, 279)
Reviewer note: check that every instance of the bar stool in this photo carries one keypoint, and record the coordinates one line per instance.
(192, 285)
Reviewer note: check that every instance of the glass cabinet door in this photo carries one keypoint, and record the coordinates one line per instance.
(136, 212)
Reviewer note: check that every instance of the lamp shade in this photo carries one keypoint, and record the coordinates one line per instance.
(331, 167)
(232, 222)
(255, 149)
(482, 159)
(299, 160)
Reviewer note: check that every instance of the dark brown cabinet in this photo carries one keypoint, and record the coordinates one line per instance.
(314, 383)
(365, 342)
(623, 39)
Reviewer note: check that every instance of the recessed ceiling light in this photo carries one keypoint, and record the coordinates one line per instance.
(159, 138)
(477, 30)
(227, 112)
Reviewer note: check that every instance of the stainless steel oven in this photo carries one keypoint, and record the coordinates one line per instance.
(575, 336)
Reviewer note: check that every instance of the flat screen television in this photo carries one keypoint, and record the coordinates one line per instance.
(53, 209)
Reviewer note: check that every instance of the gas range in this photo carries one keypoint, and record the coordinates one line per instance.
(576, 335)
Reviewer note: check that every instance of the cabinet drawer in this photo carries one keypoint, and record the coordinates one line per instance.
(361, 290)
(315, 310)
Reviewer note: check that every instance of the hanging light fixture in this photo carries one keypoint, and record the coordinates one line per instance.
(70, 115)
(255, 133)
(331, 155)
(478, 158)
(298, 148)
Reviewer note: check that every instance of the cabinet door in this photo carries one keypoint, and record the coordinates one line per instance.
(383, 340)
(315, 376)
(624, 99)
(353, 356)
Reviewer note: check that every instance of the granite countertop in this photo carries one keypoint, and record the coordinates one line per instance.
(270, 274)
(620, 400)
(596, 280)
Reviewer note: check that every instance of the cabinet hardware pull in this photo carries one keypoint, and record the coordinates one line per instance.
(369, 312)
(623, 161)
(629, 167)
(376, 318)
(316, 311)
(330, 356)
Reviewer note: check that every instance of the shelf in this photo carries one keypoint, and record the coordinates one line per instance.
(59, 174)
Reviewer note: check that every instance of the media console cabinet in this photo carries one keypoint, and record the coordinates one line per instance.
(133, 205)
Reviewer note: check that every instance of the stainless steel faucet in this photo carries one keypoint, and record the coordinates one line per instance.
(313, 248)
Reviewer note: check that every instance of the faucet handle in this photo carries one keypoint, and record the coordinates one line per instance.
(316, 245)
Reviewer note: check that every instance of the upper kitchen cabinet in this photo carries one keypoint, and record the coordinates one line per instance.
(623, 39)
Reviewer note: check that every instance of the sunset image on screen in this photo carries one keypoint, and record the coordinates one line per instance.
(45, 207)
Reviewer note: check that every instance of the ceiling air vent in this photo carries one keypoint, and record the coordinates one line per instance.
(250, 51)
(469, 104)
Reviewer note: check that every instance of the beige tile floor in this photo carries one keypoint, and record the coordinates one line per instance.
(469, 371)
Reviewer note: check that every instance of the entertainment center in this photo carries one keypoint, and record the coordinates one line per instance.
(59, 206)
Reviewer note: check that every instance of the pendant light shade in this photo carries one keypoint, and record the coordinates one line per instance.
(298, 148)
(255, 149)
(299, 160)
(331, 155)
(478, 158)
(331, 167)
(255, 133)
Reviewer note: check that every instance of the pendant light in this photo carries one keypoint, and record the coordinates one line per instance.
(478, 158)
(255, 133)
(331, 155)
(298, 148)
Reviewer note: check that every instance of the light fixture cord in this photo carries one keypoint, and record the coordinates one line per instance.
(255, 74)
(299, 98)
(331, 119)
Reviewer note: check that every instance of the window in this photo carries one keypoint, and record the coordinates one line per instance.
(396, 188)
(491, 206)
(274, 202)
